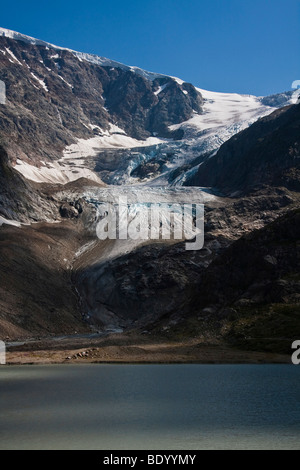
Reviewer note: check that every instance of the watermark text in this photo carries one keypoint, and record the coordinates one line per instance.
(296, 354)
(296, 94)
(2, 92)
(2, 353)
(152, 221)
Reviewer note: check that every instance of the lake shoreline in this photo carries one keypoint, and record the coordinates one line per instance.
(135, 349)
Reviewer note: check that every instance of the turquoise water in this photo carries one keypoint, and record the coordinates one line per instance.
(150, 407)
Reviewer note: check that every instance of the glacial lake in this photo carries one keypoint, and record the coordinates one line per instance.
(150, 407)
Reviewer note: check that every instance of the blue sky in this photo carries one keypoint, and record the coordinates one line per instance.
(245, 46)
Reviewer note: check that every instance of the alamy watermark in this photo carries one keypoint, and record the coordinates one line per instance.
(296, 344)
(296, 94)
(2, 92)
(296, 354)
(2, 353)
(152, 221)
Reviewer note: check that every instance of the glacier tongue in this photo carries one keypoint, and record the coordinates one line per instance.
(157, 162)
(139, 200)
(169, 162)
(118, 159)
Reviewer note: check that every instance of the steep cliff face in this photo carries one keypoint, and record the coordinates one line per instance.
(18, 199)
(265, 154)
(54, 97)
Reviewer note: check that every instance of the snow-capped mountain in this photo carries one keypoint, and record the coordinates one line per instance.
(81, 120)
(69, 115)
(92, 58)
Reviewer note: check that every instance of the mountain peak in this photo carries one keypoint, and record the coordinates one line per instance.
(92, 58)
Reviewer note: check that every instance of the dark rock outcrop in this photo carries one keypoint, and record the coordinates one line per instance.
(253, 288)
(251, 267)
(267, 153)
(138, 288)
(18, 199)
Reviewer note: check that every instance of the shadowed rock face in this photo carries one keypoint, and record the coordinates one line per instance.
(139, 288)
(252, 267)
(53, 98)
(18, 200)
(252, 290)
(36, 295)
(265, 154)
(157, 282)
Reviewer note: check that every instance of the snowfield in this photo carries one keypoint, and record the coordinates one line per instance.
(72, 165)
(4, 221)
(225, 109)
(55, 173)
(113, 139)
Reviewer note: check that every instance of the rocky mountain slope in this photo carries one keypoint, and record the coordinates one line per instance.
(37, 297)
(55, 97)
(250, 294)
(72, 121)
(157, 282)
(265, 154)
